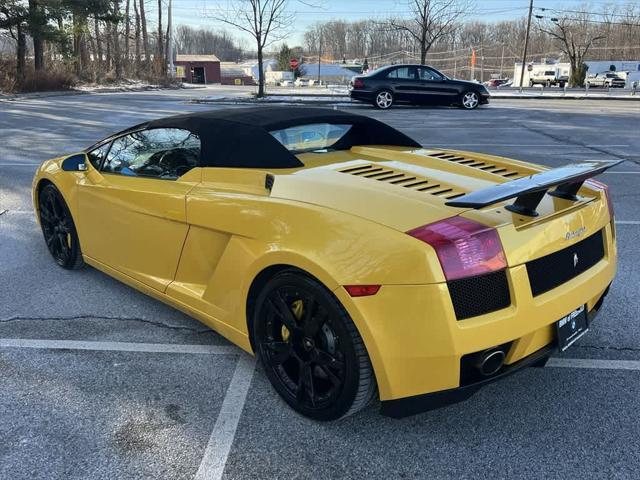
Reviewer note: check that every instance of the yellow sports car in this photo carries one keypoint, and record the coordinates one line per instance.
(352, 261)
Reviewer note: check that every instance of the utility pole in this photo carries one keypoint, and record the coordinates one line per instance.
(502, 62)
(526, 44)
(170, 42)
(482, 62)
(319, 54)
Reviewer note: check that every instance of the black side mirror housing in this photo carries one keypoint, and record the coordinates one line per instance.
(75, 163)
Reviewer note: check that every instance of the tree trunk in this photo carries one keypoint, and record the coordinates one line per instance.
(137, 47)
(116, 40)
(127, 32)
(161, 60)
(36, 35)
(21, 54)
(108, 40)
(145, 35)
(76, 45)
(260, 72)
(96, 27)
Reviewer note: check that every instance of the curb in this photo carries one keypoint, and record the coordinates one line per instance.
(240, 101)
(65, 93)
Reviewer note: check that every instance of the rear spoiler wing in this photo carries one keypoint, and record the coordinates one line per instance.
(529, 191)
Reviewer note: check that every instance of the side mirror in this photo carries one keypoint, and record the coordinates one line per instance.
(75, 163)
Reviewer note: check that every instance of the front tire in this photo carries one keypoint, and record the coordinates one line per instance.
(58, 229)
(311, 351)
(470, 100)
(383, 100)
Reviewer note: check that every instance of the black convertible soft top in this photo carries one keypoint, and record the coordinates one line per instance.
(240, 137)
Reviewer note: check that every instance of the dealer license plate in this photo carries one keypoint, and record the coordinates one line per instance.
(572, 327)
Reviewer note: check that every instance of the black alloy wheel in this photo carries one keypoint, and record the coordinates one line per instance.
(310, 348)
(58, 229)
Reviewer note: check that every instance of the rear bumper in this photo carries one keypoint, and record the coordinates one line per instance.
(361, 95)
(404, 407)
(416, 342)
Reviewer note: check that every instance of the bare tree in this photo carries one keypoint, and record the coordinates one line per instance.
(576, 36)
(267, 21)
(145, 35)
(432, 20)
(161, 63)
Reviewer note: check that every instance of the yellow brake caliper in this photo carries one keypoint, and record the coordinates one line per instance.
(297, 308)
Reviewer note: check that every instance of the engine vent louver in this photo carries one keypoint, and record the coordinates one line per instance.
(487, 167)
(401, 179)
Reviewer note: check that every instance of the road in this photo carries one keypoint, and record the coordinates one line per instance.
(100, 381)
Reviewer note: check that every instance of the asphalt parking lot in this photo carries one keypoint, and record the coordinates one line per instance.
(100, 381)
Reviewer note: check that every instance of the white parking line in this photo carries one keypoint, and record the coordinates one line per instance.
(555, 145)
(627, 222)
(119, 346)
(9, 164)
(224, 431)
(609, 172)
(594, 363)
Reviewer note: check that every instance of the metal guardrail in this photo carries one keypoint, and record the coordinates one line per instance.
(541, 90)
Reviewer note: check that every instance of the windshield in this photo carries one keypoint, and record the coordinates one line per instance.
(315, 137)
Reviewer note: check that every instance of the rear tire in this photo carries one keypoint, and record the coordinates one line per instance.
(58, 229)
(383, 99)
(310, 349)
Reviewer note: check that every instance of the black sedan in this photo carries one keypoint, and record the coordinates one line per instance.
(416, 85)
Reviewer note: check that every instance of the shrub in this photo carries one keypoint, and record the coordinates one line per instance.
(55, 78)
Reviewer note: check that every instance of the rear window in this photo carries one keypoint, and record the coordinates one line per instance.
(315, 137)
(550, 73)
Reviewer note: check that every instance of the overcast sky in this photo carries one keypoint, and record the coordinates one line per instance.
(193, 12)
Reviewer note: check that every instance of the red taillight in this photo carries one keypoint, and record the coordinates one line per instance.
(465, 248)
(601, 186)
(358, 83)
(362, 290)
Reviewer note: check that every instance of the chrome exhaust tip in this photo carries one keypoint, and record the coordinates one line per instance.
(490, 362)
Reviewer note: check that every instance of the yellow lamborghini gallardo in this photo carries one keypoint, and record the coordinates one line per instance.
(354, 262)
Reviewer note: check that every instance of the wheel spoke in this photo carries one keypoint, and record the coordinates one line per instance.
(327, 359)
(330, 375)
(305, 383)
(281, 352)
(313, 318)
(64, 247)
(45, 214)
(283, 311)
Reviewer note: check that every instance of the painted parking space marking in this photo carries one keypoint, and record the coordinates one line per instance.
(529, 146)
(627, 222)
(118, 346)
(594, 363)
(217, 451)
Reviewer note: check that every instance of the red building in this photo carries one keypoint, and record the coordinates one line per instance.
(198, 68)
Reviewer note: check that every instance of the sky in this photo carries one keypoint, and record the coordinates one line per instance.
(193, 12)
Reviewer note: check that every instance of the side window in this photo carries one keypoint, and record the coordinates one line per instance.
(166, 153)
(429, 75)
(403, 73)
(98, 154)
